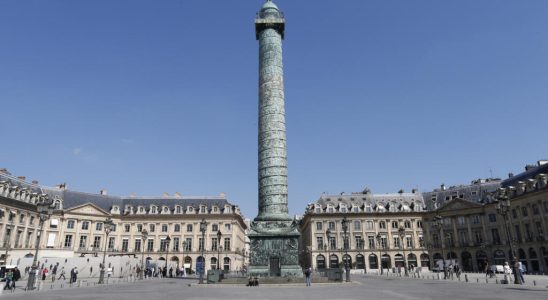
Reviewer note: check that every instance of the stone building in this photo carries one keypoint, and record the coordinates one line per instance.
(478, 191)
(373, 231)
(77, 226)
(475, 234)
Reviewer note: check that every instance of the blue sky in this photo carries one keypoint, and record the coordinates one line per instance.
(161, 96)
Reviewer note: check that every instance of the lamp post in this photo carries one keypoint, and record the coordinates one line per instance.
(449, 239)
(219, 235)
(401, 232)
(345, 246)
(108, 228)
(183, 253)
(327, 235)
(203, 227)
(503, 208)
(45, 209)
(8, 238)
(378, 238)
(144, 238)
(167, 241)
(438, 223)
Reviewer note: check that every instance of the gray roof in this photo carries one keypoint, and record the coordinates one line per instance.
(478, 191)
(367, 198)
(530, 173)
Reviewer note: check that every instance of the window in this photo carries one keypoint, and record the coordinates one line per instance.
(318, 209)
(331, 225)
(419, 224)
(343, 209)
(368, 208)
(357, 225)
(163, 245)
(394, 224)
(463, 237)
(536, 210)
(213, 244)
(436, 240)
(70, 224)
(382, 225)
(202, 209)
(227, 244)
(397, 242)
(330, 209)
(153, 210)
(127, 227)
(137, 245)
(346, 243)
(177, 209)
(227, 227)
(85, 225)
(369, 225)
(111, 241)
(150, 245)
(83, 241)
(539, 228)
(546, 206)
(139, 227)
(151, 227)
(188, 244)
(384, 242)
(492, 218)
(200, 244)
(98, 226)
(215, 209)
(518, 233)
(371, 242)
(407, 224)
(421, 241)
(125, 243)
(68, 241)
(408, 242)
(514, 213)
(166, 209)
(164, 227)
(478, 237)
(189, 228)
(460, 220)
(358, 241)
(332, 243)
(176, 244)
(475, 219)
(319, 242)
(177, 228)
(495, 235)
(524, 211)
(141, 209)
(528, 232)
(319, 226)
(355, 209)
(215, 227)
(447, 221)
(96, 242)
(31, 222)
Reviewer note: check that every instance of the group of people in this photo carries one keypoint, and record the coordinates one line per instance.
(507, 270)
(161, 272)
(11, 277)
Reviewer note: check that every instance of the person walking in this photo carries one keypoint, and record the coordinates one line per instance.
(519, 269)
(44, 273)
(54, 273)
(308, 275)
(62, 274)
(9, 279)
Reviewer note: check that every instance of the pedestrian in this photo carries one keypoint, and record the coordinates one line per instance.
(519, 269)
(71, 276)
(9, 279)
(171, 272)
(54, 273)
(44, 273)
(62, 274)
(308, 275)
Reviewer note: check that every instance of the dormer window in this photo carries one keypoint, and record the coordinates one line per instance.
(318, 209)
(355, 209)
(330, 209)
(342, 209)
(153, 210)
(166, 209)
(115, 209)
(227, 209)
(141, 210)
(202, 209)
(177, 209)
(215, 209)
(190, 209)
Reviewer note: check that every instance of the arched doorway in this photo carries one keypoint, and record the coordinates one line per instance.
(481, 259)
(360, 262)
(162, 259)
(333, 261)
(226, 264)
(425, 260)
(187, 264)
(398, 261)
(320, 262)
(373, 262)
(533, 258)
(467, 262)
(411, 260)
(498, 257)
(200, 264)
(386, 262)
(347, 261)
(29, 255)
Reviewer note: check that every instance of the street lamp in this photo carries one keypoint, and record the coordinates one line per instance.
(144, 238)
(327, 235)
(438, 223)
(45, 209)
(401, 232)
(345, 245)
(203, 228)
(219, 235)
(108, 228)
(378, 238)
(167, 241)
(502, 202)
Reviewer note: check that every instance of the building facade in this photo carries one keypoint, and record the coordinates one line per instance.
(373, 234)
(76, 227)
(475, 233)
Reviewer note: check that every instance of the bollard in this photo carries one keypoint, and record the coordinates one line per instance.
(534, 283)
(61, 285)
(466, 277)
(497, 281)
(51, 287)
(486, 280)
(439, 276)
(477, 279)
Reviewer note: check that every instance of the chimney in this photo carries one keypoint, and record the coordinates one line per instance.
(178, 195)
(542, 162)
(22, 178)
(443, 187)
(165, 194)
(133, 195)
(35, 182)
(414, 191)
(529, 167)
(510, 175)
(103, 192)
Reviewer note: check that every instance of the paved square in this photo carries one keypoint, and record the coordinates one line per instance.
(362, 287)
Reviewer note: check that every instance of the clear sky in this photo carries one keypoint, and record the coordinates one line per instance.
(161, 96)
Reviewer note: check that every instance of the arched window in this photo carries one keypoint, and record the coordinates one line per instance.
(333, 261)
(373, 262)
(320, 262)
(226, 264)
(177, 209)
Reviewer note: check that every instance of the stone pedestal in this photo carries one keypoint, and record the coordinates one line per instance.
(274, 249)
